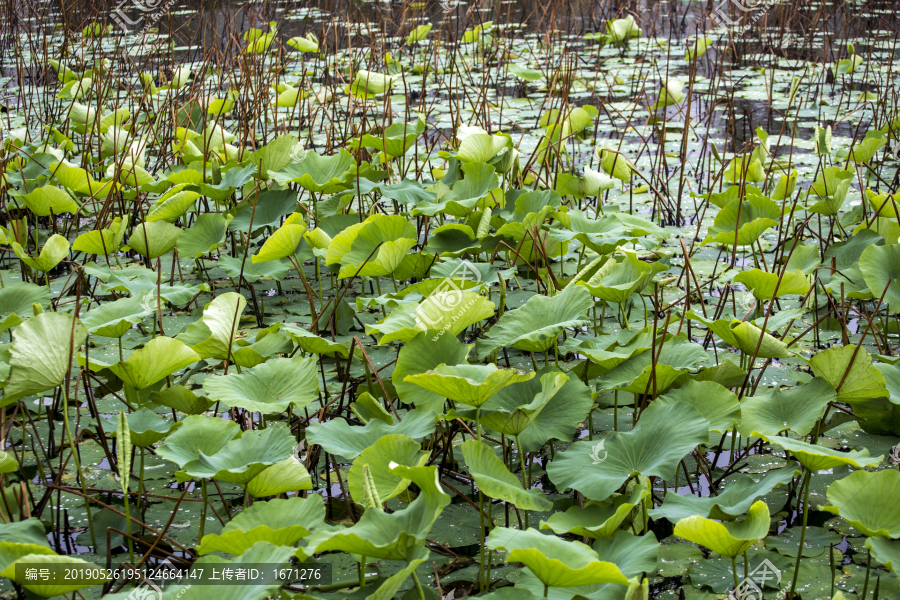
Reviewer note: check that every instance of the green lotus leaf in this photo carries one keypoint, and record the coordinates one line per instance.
(535, 326)
(391, 536)
(880, 266)
(676, 357)
(423, 353)
(818, 458)
(266, 209)
(863, 500)
(91, 574)
(243, 458)
(253, 272)
(279, 522)
(369, 84)
(269, 342)
(559, 417)
(27, 531)
(727, 539)
(40, 354)
(197, 435)
(396, 139)
(147, 427)
(392, 448)
(494, 479)
(764, 284)
(315, 173)
(816, 542)
(745, 168)
(481, 147)
(288, 475)
(181, 399)
(305, 44)
(472, 385)
(442, 312)
(524, 72)
(862, 382)
(152, 240)
(698, 48)
(310, 342)
(595, 521)
(452, 239)
(617, 281)
(55, 249)
(11, 551)
(171, 206)
(50, 200)
(671, 93)
(375, 248)
(213, 335)
(885, 551)
(284, 241)
(615, 164)
(267, 388)
(731, 502)
(478, 189)
(115, 319)
(662, 437)
(741, 224)
(608, 356)
(514, 422)
(744, 336)
(158, 359)
(831, 186)
(717, 404)
(339, 438)
(205, 235)
(20, 297)
(8, 464)
(868, 148)
(797, 409)
(540, 554)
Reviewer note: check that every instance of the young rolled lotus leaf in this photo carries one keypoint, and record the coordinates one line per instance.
(861, 499)
(717, 404)
(393, 448)
(116, 318)
(279, 522)
(539, 553)
(483, 148)
(315, 173)
(268, 388)
(796, 409)
(152, 240)
(615, 164)
(41, 354)
(204, 236)
(472, 385)
(243, 458)
(55, 249)
(697, 48)
(514, 422)
(745, 336)
(741, 224)
(420, 354)
(766, 286)
(102, 241)
(197, 435)
(831, 186)
(494, 479)
(158, 359)
(731, 503)
(728, 539)
(304, 44)
(671, 93)
(341, 439)
(89, 574)
(596, 520)
(818, 458)
(212, 336)
(390, 536)
(535, 326)
(862, 381)
(50, 200)
(745, 168)
(181, 399)
(288, 475)
(284, 241)
(621, 30)
(146, 427)
(662, 437)
(880, 266)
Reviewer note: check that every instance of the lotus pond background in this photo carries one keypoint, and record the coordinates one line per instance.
(506, 299)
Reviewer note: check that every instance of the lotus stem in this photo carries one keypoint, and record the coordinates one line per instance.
(865, 590)
(362, 572)
(87, 506)
(202, 510)
(805, 487)
(419, 589)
